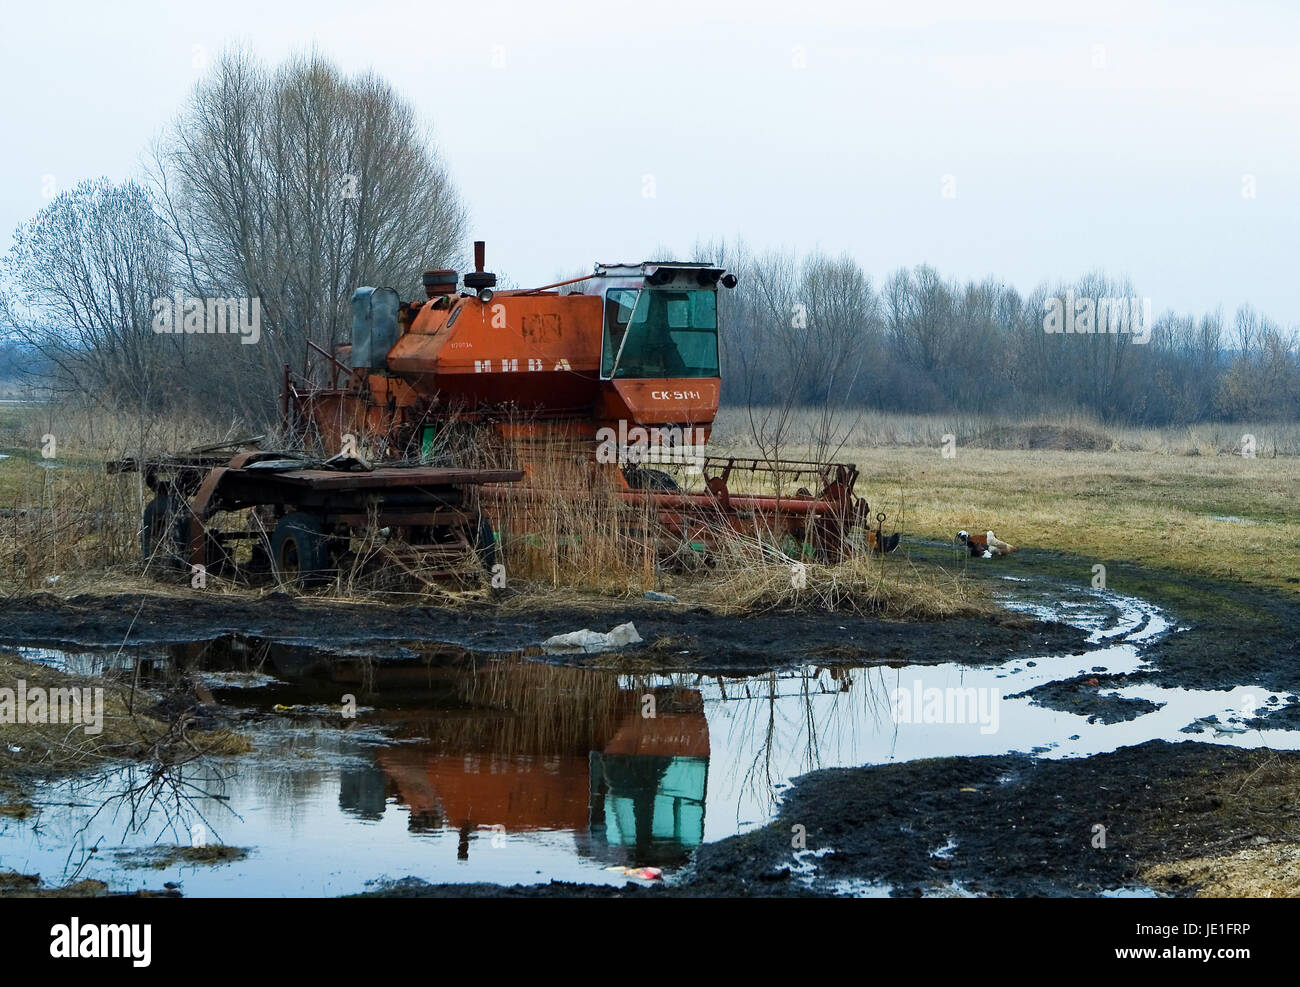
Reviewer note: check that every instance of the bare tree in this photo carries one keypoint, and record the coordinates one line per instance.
(295, 186)
(83, 275)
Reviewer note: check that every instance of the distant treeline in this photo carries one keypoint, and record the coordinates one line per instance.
(815, 330)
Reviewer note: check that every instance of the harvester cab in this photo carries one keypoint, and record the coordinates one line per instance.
(659, 364)
(613, 366)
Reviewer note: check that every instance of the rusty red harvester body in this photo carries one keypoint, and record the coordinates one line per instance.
(615, 373)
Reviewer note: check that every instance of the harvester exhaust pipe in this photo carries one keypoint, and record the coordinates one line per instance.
(479, 280)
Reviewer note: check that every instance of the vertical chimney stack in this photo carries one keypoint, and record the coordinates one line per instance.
(480, 281)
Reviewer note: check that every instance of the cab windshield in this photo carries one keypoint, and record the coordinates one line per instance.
(660, 332)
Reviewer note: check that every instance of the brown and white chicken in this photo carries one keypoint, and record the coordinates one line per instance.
(985, 546)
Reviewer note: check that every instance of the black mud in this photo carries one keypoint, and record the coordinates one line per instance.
(675, 635)
(1091, 696)
(1012, 825)
(1021, 825)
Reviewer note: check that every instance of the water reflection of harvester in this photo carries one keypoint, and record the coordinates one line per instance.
(539, 748)
(529, 746)
(509, 743)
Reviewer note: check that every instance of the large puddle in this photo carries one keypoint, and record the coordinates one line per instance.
(459, 768)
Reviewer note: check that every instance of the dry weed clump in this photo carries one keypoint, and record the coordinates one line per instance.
(61, 515)
(1270, 871)
(129, 731)
(755, 577)
(567, 525)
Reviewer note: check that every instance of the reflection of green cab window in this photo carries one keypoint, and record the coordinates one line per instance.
(660, 332)
(673, 809)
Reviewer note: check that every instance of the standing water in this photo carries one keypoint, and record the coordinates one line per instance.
(511, 770)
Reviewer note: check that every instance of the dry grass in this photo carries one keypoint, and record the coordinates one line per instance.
(1218, 515)
(63, 516)
(566, 525)
(1270, 871)
(1255, 806)
(754, 578)
(857, 429)
(128, 733)
(72, 529)
(1174, 497)
(60, 746)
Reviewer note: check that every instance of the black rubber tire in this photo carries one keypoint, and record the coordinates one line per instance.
(641, 478)
(300, 550)
(161, 533)
(153, 524)
(485, 543)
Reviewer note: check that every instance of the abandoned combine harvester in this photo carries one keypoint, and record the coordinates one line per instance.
(610, 373)
(607, 375)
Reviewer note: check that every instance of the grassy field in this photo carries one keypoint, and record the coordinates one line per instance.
(1223, 516)
(858, 429)
(1183, 499)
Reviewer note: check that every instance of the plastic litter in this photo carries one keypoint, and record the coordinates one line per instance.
(589, 642)
(642, 873)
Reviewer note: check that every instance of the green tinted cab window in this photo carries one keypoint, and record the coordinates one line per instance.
(660, 332)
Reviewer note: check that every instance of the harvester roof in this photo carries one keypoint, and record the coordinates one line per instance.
(655, 273)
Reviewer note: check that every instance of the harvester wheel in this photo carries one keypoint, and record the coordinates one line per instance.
(300, 549)
(640, 478)
(159, 529)
(485, 543)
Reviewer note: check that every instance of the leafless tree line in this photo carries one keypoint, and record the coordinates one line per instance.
(816, 332)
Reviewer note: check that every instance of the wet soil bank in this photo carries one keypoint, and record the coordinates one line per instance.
(674, 635)
(999, 826)
(16, 885)
(1021, 825)
(1240, 634)
(1234, 634)
(1017, 825)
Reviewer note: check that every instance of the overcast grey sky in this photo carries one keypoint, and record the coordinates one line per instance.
(1103, 134)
